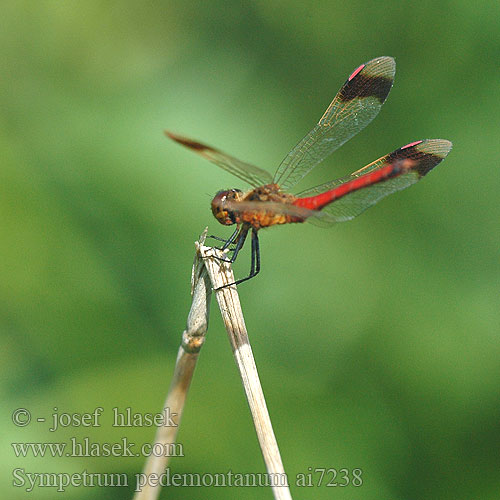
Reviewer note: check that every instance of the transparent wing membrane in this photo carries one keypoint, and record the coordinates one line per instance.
(247, 172)
(353, 108)
(415, 161)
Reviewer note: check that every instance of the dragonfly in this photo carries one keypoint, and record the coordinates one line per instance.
(269, 201)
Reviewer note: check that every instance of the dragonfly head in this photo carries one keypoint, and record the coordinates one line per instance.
(220, 206)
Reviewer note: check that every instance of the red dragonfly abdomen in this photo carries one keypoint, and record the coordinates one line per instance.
(321, 200)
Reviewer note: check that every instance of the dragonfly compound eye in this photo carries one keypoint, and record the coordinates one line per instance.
(220, 207)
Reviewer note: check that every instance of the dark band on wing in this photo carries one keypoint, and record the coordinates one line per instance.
(189, 143)
(424, 162)
(365, 85)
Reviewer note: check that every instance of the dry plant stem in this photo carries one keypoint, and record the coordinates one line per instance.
(192, 341)
(229, 303)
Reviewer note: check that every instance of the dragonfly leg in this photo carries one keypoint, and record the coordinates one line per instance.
(254, 261)
(231, 239)
(218, 238)
(227, 241)
(255, 247)
(239, 244)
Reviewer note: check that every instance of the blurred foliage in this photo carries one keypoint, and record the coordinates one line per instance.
(377, 342)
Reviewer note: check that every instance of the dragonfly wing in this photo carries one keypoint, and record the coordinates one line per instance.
(353, 108)
(417, 159)
(255, 176)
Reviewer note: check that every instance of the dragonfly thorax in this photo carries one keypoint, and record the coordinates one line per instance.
(220, 210)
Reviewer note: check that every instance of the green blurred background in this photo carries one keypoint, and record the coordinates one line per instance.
(377, 341)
